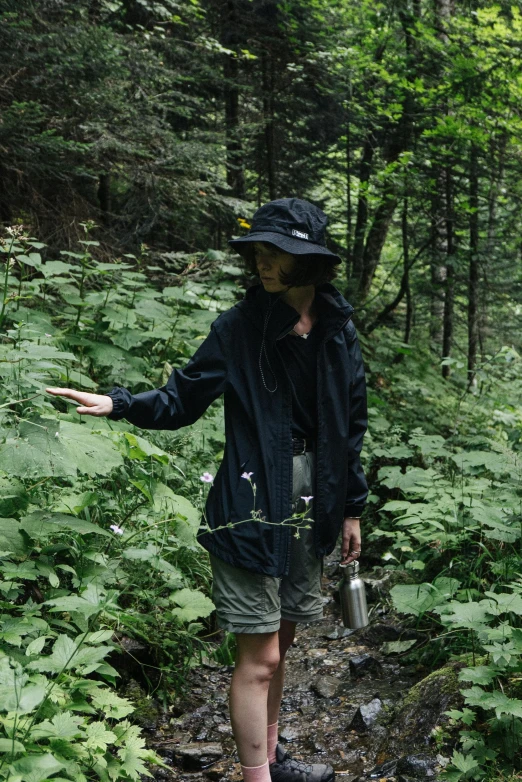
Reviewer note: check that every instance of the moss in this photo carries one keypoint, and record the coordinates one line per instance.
(423, 710)
(146, 710)
(446, 678)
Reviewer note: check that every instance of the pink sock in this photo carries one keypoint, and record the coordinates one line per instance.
(271, 742)
(256, 773)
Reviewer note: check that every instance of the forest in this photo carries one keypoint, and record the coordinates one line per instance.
(136, 138)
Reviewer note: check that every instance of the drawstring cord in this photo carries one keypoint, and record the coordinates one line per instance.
(263, 349)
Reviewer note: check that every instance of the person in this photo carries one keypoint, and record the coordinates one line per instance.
(288, 362)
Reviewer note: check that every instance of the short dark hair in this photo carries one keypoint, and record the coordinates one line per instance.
(309, 270)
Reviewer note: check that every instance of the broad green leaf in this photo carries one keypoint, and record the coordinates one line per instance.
(35, 352)
(36, 768)
(396, 505)
(506, 602)
(74, 502)
(192, 604)
(186, 516)
(62, 657)
(393, 477)
(497, 701)
(417, 599)
(466, 716)
(11, 539)
(98, 737)
(140, 448)
(62, 726)
(471, 615)
(8, 745)
(429, 444)
(395, 647)
(25, 571)
(473, 462)
(21, 700)
(36, 452)
(480, 674)
(36, 646)
(46, 447)
(41, 524)
(88, 603)
(111, 704)
(464, 763)
(99, 636)
(91, 453)
(13, 496)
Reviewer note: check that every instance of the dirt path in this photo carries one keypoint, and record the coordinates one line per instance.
(340, 691)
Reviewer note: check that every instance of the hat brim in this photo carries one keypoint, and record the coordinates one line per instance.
(288, 244)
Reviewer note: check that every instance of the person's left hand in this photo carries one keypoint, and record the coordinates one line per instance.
(351, 545)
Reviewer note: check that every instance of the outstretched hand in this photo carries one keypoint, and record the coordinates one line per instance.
(90, 404)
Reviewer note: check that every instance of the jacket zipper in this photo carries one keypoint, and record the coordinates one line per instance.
(286, 537)
(317, 460)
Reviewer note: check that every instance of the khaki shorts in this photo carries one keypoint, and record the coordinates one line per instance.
(255, 603)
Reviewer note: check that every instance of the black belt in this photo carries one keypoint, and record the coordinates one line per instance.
(300, 446)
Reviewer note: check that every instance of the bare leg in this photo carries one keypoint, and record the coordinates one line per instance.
(275, 692)
(257, 659)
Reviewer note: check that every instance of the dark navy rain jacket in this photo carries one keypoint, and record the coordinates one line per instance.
(258, 426)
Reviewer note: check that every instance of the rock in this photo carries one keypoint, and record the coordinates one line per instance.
(317, 653)
(380, 632)
(386, 770)
(352, 761)
(196, 756)
(325, 686)
(423, 709)
(289, 733)
(366, 715)
(220, 770)
(417, 766)
(363, 664)
(146, 712)
(336, 632)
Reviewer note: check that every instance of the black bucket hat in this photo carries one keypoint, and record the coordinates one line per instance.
(291, 224)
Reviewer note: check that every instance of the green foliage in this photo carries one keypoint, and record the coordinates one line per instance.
(99, 522)
(450, 512)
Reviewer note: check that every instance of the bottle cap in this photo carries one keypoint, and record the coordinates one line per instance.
(351, 569)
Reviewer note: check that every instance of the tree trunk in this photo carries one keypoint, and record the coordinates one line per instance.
(268, 75)
(234, 158)
(406, 273)
(496, 167)
(473, 287)
(104, 194)
(449, 298)
(437, 260)
(349, 259)
(361, 221)
(376, 238)
(441, 304)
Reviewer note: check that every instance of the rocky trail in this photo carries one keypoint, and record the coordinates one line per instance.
(346, 703)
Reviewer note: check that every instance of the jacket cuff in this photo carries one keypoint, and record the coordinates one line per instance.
(120, 404)
(353, 510)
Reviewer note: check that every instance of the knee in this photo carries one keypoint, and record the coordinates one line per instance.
(263, 667)
(269, 664)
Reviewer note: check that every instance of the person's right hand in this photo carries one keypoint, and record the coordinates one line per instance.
(90, 404)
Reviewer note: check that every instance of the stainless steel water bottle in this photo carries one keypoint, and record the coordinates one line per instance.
(353, 597)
